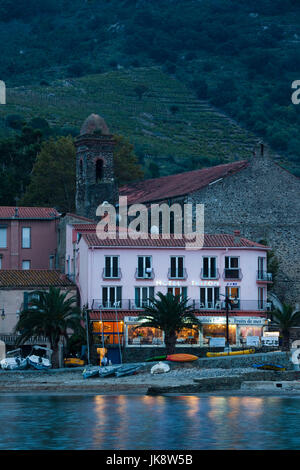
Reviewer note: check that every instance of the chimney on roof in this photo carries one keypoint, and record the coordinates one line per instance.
(236, 237)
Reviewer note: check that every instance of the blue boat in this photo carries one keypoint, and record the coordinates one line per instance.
(40, 362)
(127, 370)
(277, 367)
(89, 373)
(108, 371)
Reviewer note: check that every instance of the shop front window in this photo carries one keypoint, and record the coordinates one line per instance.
(250, 331)
(108, 332)
(218, 331)
(188, 336)
(144, 336)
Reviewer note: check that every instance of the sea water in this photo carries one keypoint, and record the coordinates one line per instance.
(148, 422)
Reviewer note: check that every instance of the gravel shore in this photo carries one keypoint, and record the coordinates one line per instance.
(72, 380)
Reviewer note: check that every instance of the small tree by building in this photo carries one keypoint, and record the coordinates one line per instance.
(171, 314)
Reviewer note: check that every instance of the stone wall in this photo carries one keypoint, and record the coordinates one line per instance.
(90, 193)
(263, 202)
(141, 354)
(230, 382)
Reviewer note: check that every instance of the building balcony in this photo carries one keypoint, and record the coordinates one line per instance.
(234, 274)
(210, 276)
(148, 274)
(263, 276)
(178, 275)
(12, 339)
(111, 275)
(198, 305)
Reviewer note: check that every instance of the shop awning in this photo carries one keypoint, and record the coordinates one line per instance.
(110, 315)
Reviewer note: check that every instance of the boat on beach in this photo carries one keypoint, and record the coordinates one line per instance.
(92, 372)
(40, 362)
(127, 370)
(14, 361)
(108, 371)
(277, 367)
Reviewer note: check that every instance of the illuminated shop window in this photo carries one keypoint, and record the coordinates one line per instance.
(144, 336)
(218, 331)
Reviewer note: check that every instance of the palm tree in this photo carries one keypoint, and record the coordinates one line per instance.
(51, 314)
(170, 314)
(286, 317)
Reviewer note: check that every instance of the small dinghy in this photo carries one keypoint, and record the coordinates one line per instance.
(40, 361)
(269, 367)
(89, 373)
(156, 358)
(108, 371)
(14, 361)
(127, 370)
(181, 357)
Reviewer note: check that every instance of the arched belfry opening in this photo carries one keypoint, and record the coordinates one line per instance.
(99, 170)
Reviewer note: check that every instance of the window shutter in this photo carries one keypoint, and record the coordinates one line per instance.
(119, 293)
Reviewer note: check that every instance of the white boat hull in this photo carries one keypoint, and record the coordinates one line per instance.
(37, 362)
(14, 363)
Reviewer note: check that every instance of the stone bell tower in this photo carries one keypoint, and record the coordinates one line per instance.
(95, 179)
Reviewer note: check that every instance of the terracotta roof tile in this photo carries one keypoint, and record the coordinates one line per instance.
(210, 241)
(33, 278)
(9, 212)
(178, 185)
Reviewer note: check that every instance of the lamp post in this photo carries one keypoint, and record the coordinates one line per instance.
(228, 302)
(2, 314)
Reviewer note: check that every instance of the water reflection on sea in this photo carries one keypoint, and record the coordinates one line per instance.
(147, 422)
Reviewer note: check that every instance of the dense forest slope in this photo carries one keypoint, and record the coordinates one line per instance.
(239, 56)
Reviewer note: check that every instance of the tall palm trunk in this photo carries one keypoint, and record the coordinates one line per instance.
(285, 340)
(55, 355)
(170, 342)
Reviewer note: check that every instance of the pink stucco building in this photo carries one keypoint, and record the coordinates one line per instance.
(116, 278)
(28, 237)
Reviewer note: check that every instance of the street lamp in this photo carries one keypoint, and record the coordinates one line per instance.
(228, 302)
(2, 314)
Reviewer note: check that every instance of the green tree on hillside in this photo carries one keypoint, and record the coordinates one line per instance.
(53, 176)
(127, 168)
(17, 157)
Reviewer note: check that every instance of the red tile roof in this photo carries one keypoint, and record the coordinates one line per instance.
(210, 241)
(79, 217)
(33, 278)
(84, 227)
(178, 185)
(9, 212)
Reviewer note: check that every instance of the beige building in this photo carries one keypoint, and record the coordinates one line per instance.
(17, 288)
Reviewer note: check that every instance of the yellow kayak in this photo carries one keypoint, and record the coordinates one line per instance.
(233, 353)
(73, 362)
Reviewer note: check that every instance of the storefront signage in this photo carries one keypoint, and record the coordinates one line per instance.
(233, 320)
(270, 341)
(130, 319)
(252, 341)
(216, 342)
(231, 284)
(193, 283)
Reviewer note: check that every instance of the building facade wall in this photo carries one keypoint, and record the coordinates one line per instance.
(263, 202)
(92, 261)
(43, 244)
